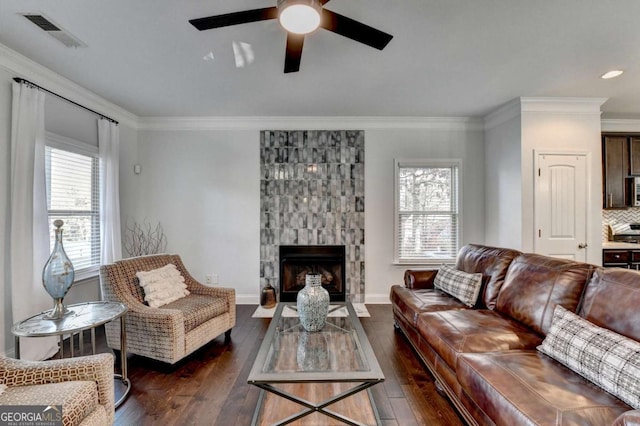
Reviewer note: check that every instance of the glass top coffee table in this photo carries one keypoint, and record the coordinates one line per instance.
(315, 370)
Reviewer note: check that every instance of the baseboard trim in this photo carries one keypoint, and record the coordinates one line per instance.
(377, 299)
(247, 299)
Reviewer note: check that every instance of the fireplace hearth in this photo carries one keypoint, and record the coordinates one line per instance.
(299, 260)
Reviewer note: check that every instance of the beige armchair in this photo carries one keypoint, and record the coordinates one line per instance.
(172, 331)
(83, 386)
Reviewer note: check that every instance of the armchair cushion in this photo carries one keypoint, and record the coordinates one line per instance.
(198, 309)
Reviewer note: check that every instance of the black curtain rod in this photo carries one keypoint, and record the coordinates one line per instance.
(22, 80)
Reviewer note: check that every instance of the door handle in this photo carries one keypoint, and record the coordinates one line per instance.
(583, 245)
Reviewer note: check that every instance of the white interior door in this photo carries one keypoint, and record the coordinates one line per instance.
(561, 205)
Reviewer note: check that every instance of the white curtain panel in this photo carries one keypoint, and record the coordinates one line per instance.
(29, 240)
(108, 144)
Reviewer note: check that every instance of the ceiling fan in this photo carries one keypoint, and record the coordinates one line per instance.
(298, 18)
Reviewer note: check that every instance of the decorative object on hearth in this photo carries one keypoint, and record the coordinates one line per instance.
(313, 303)
(268, 297)
(299, 18)
(141, 239)
(58, 275)
(313, 352)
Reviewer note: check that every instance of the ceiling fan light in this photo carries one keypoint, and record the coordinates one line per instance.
(299, 16)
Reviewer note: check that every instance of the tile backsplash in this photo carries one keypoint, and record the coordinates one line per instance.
(631, 215)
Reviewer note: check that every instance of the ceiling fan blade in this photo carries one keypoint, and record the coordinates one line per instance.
(294, 52)
(324, 1)
(235, 18)
(354, 30)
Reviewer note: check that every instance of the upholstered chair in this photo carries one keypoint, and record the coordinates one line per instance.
(170, 332)
(83, 386)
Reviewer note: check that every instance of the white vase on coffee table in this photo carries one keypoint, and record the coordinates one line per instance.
(313, 303)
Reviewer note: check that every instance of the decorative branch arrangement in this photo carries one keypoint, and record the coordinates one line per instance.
(141, 239)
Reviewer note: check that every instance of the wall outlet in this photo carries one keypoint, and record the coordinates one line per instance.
(214, 278)
(208, 279)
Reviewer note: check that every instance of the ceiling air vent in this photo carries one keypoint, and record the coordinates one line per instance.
(54, 30)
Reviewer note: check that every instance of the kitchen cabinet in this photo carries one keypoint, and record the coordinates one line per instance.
(615, 171)
(621, 258)
(634, 156)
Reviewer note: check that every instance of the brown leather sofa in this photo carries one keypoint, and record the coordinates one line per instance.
(485, 359)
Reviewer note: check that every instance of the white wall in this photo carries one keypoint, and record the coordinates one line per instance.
(558, 129)
(503, 183)
(203, 186)
(381, 147)
(514, 133)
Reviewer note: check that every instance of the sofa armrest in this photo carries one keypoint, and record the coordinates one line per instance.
(629, 418)
(417, 280)
(94, 368)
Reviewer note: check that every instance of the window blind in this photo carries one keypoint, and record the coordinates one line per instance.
(427, 212)
(72, 180)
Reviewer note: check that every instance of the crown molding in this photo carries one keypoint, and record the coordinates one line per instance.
(307, 123)
(30, 70)
(563, 105)
(620, 125)
(505, 113)
(515, 108)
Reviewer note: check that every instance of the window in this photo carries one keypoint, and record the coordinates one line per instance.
(73, 195)
(427, 211)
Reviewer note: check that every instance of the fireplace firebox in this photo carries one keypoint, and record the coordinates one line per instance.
(298, 261)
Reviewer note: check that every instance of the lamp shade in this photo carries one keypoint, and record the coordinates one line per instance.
(299, 16)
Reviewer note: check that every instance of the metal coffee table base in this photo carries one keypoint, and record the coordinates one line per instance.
(313, 407)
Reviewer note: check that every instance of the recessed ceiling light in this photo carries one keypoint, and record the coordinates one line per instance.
(611, 74)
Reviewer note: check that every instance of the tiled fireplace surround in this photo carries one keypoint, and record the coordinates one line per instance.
(312, 193)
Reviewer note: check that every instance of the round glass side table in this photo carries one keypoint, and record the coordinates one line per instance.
(82, 317)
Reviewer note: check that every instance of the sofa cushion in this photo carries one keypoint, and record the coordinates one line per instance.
(198, 309)
(452, 333)
(611, 300)
(462, 285)
(492, 263)
(535, 284)
(607, 359)
(528, 387)
(162, 285)
(411, 303)
(78, 398)
(630, 418)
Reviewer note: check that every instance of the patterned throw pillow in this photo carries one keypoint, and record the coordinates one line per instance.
(601, 356)
(463, 286)
(163, 285)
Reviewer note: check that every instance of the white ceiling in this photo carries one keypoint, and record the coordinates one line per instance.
(448, 58)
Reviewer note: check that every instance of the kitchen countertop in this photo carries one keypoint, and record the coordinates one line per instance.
(610, 245)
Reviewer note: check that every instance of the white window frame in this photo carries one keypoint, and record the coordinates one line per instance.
(426, 163)
(55, 141)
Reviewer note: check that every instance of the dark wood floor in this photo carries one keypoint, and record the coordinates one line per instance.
(210, 386)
